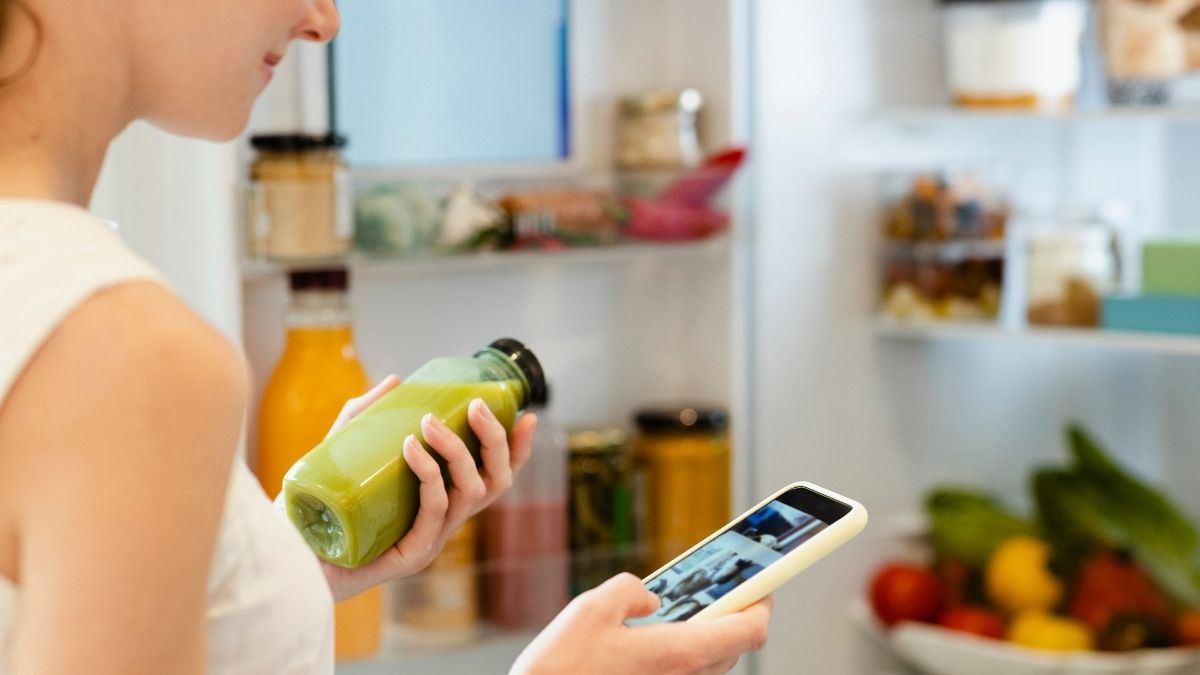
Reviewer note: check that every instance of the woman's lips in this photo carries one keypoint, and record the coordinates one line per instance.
(268, 64)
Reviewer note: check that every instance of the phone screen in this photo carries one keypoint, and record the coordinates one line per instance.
(739, 552)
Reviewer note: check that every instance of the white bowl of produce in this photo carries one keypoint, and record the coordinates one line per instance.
(938, 651)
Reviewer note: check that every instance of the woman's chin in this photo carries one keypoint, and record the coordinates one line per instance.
(220, 126)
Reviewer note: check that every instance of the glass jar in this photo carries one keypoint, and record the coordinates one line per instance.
(657, 130)
(683, 457)
(441, 605)
(601, 511)
(1014, 53)
(1070, 271)
(1147, 45)
(943, 254)
(300, 206)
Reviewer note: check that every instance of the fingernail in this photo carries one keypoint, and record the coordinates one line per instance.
(434, 422)
(483, 408)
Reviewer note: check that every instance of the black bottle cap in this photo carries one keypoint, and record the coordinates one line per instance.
(682, 419)
(329, 279)
(297, 142)
(524, 359)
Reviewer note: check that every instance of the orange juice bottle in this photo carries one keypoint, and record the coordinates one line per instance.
(318, 372)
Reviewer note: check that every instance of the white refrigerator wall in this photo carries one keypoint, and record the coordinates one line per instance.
(883, 420)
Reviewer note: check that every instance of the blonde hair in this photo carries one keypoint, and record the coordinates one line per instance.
(7, 9)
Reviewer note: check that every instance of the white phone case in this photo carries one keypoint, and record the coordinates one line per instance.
(774, 575)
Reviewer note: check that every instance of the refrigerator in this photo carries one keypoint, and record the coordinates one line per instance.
(775, 320)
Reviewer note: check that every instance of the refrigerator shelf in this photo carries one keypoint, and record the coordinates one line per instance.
(944, 113)
(430, 265)
(1150, 343)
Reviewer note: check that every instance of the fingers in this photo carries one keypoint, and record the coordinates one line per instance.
(356, 405)
(730, 636)
(493, 443)
(521, 446)
(421, 543)
(623, 596)
(706, 646)
(468, 488)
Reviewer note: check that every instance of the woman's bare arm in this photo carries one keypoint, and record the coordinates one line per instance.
(115, 450)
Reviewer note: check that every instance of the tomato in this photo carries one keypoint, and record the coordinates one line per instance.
(1111, 584)
(1187, 628)
(955, 578)
(902, 592)
(973, 620)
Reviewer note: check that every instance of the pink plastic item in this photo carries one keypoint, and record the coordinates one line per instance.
(681, 211)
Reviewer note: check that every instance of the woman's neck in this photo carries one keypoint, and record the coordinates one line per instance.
(61, 115)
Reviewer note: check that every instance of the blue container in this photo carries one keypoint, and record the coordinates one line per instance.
(1152, 313)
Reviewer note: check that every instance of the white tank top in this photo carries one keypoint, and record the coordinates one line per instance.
(269, 608)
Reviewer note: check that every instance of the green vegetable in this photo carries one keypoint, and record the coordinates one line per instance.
(1094, 502)
(968, 525)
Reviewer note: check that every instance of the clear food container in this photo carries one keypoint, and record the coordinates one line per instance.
(1147, 47)
(944, 246)
(1014, 53)
(1069, 271)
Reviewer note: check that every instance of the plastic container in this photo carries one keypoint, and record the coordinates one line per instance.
(525, 537)
(602, 509)
(300, 205)
(1014, 53)
(317, 373)
(1069, 271)
(352, 497)
(684, 460)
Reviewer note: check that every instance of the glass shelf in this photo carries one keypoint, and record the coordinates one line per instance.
(1153, 343)
(942, 113)
(632, 252)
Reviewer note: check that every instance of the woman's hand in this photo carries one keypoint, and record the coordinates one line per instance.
(590, 636)
(441, 511)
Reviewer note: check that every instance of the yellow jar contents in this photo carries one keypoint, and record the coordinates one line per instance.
(684, 459)
(301, 198)
(317, 373)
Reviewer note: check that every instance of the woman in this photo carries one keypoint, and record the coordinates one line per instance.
(131, 541)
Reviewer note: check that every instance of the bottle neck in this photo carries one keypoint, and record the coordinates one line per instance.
(505, 369)
(319, 309)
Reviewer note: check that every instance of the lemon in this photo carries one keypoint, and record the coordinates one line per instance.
(1039, 630)
(1016, 577)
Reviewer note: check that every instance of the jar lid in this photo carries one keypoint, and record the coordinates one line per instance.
(596, 441)
(330, 279)
(682, 419)
(298, 142)
(687, 100)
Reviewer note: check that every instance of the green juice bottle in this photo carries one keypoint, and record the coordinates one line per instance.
(353, 496)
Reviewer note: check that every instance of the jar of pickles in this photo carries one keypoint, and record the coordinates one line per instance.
(601, 511)
(683, 456)
(299, 201)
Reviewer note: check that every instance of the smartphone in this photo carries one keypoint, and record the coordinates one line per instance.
(750, 557)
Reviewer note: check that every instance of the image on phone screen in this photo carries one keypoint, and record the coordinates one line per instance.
(740, 552)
